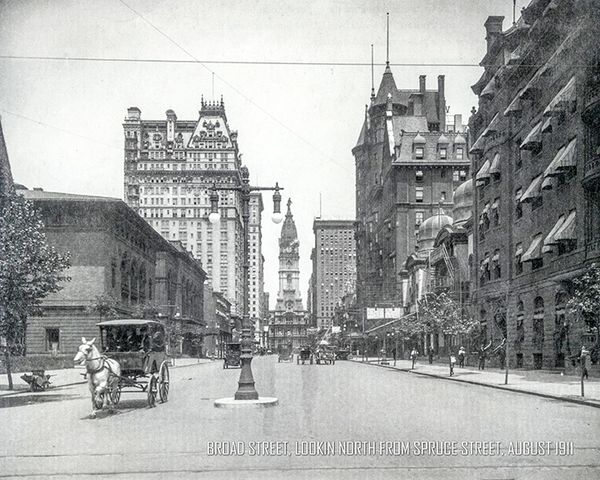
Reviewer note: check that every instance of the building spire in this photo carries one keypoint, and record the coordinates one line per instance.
(372, 76)
(387, 47)
(289, 205)
(6, 180)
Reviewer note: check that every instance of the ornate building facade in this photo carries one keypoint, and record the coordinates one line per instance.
(289, 320)
(170, 165)
(408, 161)
(535, 168)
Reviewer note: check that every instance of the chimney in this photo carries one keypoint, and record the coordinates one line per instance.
(134, 113)
(441, 103)
(171, 121)
(493, 29)
(417, 105)
(422, 84)
(458, 122)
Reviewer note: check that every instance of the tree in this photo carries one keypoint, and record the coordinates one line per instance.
(440, 313)
(105, 306)
(585, 302)
(30, 269)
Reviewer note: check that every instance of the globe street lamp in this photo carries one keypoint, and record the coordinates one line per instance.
(246, 389)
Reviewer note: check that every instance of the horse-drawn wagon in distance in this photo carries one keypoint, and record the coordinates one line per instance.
(284, 353)
(232, 356)
(133, 357)
(305, 354)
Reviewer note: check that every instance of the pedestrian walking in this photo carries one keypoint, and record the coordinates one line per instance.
(430, 355)
(461, 357)
(586, 361)
(482, 353)
(413, 356)
(452, 363)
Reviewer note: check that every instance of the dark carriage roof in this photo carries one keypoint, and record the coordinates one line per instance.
(128, 321)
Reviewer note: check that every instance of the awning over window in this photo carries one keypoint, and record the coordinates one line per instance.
(562, 100)
(490, 89)
(534, 251)
(532, 85)
(486, 209)
(495, 165)
(496, 257)
(514, 107)
(495, 204)
(484, 171)
(547, 125)
(533, 191)
(534, 139)
(492, 126)
(566, 231)
(549, 240)
(519, 250)
(568, 158)
(478, 145)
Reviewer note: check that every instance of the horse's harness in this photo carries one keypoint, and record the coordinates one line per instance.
(103, 364)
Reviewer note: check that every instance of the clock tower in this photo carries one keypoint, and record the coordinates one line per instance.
(289, 320)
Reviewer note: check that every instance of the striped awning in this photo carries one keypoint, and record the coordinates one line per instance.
(534, 190)
(534, 251)
(533, 83)
(486, 209)
(549, 240)
(518, 194)
(566, 231)
(562, 100)
(495, 165)
(492, 126)
(534, 138)
(484, 171)
(551, 170)
(568, 159)
(477, 147)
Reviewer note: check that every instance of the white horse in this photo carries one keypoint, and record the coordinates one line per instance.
(103, 374)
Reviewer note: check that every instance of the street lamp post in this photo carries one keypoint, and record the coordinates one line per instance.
(246, 389)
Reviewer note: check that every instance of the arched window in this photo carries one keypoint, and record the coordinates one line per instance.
(124, 279)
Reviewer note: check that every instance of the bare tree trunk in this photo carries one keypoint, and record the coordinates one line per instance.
(8, 371)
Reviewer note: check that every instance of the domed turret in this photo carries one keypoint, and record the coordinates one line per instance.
(459, 140)
(463, 202)
(443, 140)
(430, 228)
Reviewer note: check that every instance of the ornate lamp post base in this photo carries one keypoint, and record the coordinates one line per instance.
(261, 402)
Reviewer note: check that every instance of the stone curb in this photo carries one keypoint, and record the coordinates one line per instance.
(489, 385)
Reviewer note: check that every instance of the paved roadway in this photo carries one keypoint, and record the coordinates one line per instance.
(49, 436)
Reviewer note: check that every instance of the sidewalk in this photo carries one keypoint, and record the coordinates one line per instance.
(532, 382)
(73, 376)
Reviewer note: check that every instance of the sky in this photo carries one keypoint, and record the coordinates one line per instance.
(297, 124)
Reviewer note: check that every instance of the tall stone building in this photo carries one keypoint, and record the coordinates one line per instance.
(170, 165)
(536, 171)
(334, 267)
(289, 320)
(408, 164)
(256, 281)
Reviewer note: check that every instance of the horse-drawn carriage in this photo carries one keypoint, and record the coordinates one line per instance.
(326, 355)
(232, 358)
(305, 354)
(133, 356)
(284, 353)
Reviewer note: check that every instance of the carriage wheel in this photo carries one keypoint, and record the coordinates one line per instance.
(152, 390)
(163, 382)
(99, 402)
(115, 395)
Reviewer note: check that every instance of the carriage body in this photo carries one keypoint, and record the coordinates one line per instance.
(284, 353)
(305, 354)
(140, 347)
